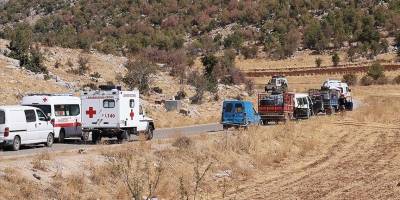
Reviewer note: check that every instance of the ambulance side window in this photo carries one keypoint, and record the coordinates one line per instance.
(132, 103)
(109, 103)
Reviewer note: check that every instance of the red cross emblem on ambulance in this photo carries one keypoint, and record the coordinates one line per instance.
(131, 114)
(44, 99)
(91, 112)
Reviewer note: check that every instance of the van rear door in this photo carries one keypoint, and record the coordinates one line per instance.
(227, 112)
(240, 113)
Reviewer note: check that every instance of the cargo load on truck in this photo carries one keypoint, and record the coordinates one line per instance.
(111, 112)
(275, 107)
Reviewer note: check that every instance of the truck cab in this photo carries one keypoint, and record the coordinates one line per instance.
(303, 106)
(111, 112)
(236, 113)
(277, 84)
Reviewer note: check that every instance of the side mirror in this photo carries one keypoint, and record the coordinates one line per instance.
(349, 90)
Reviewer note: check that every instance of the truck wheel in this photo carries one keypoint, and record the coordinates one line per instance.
(16, 143)
(61, 137)
(50, 140)
(124, 136)
(96, 138)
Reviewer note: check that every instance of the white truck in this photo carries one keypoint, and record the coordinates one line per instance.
(64, 110)
(110, 112)
(343, 88)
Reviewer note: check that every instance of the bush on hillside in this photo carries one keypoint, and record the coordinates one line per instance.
(383, 80)
(350, 79)
(139, 74)
(366, 80)
(335, 59)
(376, 71)
(396, 80)
(318, 62)
(249, 51)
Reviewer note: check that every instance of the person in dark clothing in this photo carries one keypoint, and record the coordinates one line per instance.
(342, 102)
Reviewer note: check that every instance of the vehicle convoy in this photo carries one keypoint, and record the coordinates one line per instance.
(303, 106)
(275, 107)
(111, 112)
(64, 110)
(22, 125)
(277, 84)
(236, 113)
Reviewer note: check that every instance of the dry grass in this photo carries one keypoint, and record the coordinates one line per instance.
(39, 162)
(218, 166)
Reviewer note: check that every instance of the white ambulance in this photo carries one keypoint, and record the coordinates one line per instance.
(110, 112)
(64, 110)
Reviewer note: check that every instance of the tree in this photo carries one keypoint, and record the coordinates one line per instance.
(318, 62)
(376, 71)
(291, 42)
(234, 40)
(335, 59)
(139, 74)
(314, 37)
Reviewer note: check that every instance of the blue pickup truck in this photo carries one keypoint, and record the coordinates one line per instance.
(236, 113)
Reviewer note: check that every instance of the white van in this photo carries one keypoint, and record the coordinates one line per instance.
(20, 125)
(302, 106)
(64, 110)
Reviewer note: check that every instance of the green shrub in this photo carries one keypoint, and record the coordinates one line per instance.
(366, 80)
(335, 59)
(139, 75)
(249, 51)
(318, 62)
(350, 79)
(376, 70)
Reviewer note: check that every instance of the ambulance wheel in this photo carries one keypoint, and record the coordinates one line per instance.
(16, 143)
(85, 136)
(61, 137)
(96, 138)
(50, 140)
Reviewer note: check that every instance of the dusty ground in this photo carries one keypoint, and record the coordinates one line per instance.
(351, 156)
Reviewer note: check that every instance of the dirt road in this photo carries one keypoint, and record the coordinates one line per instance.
(362, 164)
(77, 144)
